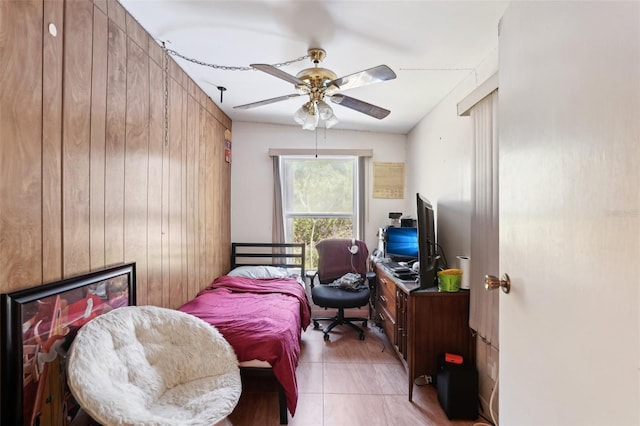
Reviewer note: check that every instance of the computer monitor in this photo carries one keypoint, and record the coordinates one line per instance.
(401, 244)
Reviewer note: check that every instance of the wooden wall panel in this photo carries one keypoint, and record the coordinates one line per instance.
(98, 132)
(114, 144)
(87, 179)
(225, 188)
(210, 198)
(154, 192)
(52, 60)
(195, 253)
(185, 169)
(219, 167)
(136, 33)
(175, 72)
(224, 182)
(165, 252)
(101, 5)
(137, 164)
(175, 195)
(193, 125)
(202, 200)
(76, 134)
(191, 88)
(20, 144)
(117, 14)
(155, 51)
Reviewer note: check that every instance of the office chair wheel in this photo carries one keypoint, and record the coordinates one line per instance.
(316, 325)
(361, 336)
(326, 337)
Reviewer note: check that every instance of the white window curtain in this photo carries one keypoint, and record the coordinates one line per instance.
(484, 219)
(277, 230)
(362, 164)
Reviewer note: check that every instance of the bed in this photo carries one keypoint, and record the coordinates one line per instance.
(261, 308)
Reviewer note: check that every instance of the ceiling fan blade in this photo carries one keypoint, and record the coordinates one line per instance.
(360, 106)
(363, 78)
(270, 69)
(267, 101)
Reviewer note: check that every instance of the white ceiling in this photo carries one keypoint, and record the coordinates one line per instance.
(431, 45)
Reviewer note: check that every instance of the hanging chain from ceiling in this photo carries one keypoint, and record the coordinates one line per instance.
(172, 52)
(166, 98)
(228, 67)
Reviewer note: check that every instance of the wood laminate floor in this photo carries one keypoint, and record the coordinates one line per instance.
(344, 382)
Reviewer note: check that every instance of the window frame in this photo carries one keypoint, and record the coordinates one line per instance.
(357, 213)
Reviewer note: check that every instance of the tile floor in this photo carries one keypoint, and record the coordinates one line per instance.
(344, 382)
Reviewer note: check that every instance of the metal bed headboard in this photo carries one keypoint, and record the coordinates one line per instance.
(284, 255)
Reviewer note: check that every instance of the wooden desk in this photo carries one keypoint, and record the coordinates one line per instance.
(422, 324)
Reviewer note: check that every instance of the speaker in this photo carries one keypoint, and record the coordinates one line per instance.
(458, 391)
(408, 223)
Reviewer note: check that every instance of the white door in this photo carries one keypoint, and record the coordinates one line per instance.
(569, 134)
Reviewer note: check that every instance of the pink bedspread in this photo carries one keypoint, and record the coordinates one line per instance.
(261, 319)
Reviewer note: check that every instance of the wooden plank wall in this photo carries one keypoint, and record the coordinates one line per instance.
(87, 179)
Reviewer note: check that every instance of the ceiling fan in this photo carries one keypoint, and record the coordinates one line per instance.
(318, 83)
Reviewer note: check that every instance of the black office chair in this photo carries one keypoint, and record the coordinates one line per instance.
(337, 257)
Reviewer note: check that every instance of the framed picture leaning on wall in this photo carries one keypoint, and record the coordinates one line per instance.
(38, 326)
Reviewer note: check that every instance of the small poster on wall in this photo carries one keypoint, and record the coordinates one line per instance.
(227, 146)
(388, 180)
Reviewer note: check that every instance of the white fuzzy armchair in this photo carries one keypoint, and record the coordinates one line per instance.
(145, 365)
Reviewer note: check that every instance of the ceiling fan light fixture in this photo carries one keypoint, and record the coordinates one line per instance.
(300, 115)
(310, 114)
(311, 122)
(331, 121)
(307, 116)
(324, 110)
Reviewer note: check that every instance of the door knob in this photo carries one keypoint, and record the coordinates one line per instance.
(492, 282)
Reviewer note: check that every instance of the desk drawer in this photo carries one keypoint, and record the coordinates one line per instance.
(388, 323)
(387, 294)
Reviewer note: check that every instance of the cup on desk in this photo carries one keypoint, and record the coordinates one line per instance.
(449, 280)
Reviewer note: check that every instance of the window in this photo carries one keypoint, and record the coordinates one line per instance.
(321, 198)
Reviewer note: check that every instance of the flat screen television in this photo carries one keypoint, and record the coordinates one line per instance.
(401, 244)
(427, 244)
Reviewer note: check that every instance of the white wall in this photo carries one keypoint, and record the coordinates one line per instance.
(252, 173)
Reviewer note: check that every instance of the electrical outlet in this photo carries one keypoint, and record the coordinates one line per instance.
(428, 379)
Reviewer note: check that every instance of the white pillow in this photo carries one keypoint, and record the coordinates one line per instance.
(259, 272)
